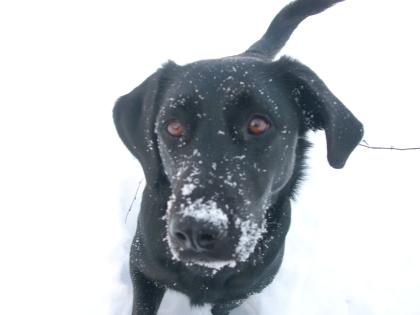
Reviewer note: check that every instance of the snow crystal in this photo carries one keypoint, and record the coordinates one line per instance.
(187, 189)
(175, 254)
(228, 181)
(206, 211)
(251, 233)
(169, 205)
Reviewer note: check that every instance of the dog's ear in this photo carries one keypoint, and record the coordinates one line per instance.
(321, 110)
(134, 117)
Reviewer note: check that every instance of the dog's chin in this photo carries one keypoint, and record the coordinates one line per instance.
(215, 264)
(202, 263)
(209, 267)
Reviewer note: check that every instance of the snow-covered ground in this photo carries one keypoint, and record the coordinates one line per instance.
(66, 181)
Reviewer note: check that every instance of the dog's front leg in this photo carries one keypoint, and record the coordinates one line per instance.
(147, 294)
(225, 308)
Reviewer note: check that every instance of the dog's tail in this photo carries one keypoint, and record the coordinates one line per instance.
(285, 23)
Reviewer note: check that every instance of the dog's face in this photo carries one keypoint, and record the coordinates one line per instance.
(227, 138)
(224, 134)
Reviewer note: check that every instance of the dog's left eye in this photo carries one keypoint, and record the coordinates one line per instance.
(258, 125)
(175, 128)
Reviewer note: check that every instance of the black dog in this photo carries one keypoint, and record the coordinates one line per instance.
(222, 144)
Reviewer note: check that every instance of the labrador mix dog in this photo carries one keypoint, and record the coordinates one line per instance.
(222, 145)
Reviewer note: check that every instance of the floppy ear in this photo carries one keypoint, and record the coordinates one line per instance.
(134, 117)
(322, 110)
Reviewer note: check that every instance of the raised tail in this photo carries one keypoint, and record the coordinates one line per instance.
(284, 24)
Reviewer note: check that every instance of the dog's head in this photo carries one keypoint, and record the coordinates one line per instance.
(224, 135)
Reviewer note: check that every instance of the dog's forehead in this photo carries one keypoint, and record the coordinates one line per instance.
(219, 69)
(222, 79)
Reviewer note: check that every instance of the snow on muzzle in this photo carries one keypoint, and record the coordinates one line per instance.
(202, 232)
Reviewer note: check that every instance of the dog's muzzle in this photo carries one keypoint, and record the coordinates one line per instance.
(201, 233)
(199, 230)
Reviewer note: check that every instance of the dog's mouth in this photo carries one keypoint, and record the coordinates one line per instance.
(210, 268)
(201, 263)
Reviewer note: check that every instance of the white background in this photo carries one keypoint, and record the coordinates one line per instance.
(66, 181)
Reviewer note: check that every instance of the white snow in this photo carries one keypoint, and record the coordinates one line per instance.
(206, 212)
(187, 189)
(251, 233)
(216, 265)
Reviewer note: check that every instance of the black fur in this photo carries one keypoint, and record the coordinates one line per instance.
(218, 167)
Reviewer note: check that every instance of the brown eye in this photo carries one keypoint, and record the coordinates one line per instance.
(175, 128)
(258, 125)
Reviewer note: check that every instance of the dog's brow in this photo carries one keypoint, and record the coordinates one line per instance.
(181, 100)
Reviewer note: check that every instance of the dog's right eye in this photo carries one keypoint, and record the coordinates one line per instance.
(175, 128)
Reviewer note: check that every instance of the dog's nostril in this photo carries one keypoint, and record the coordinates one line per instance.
(206, 240)
(181, 236)
(206, 237)
(192, 235)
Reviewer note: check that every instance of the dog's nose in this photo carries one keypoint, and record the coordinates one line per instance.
(198, 236)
